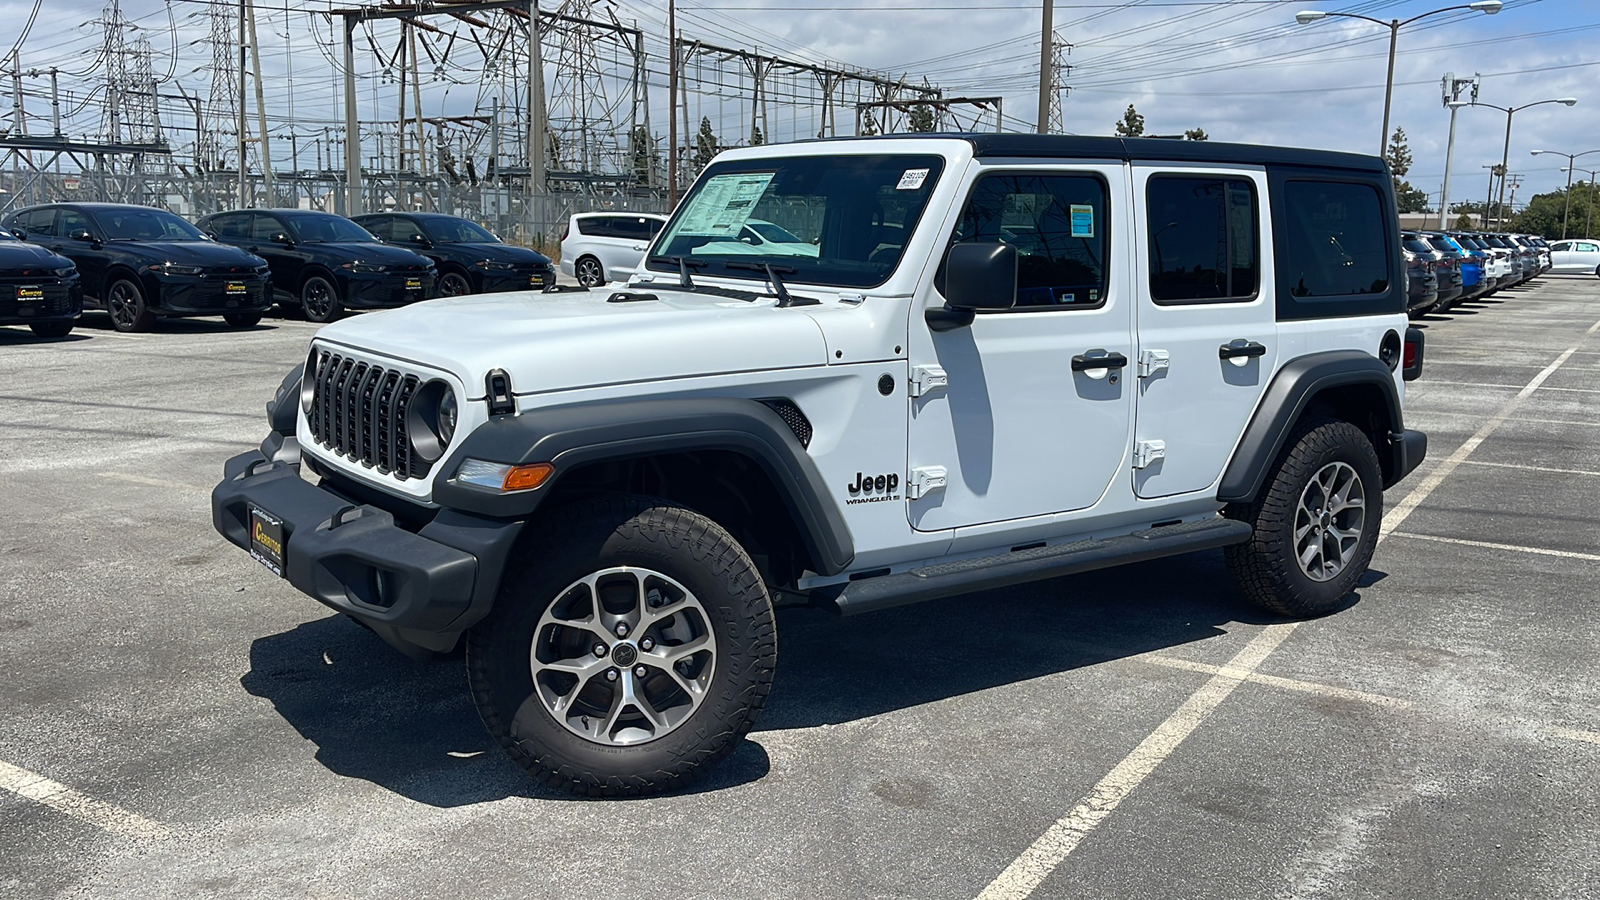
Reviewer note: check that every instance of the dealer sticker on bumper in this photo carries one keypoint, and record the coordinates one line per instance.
(266, 539)
(29, 292)
(413, 284)
(237, 287)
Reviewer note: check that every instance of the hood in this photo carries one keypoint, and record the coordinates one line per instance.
(366, 252)
(192, 253)
(503, 253)
(553, 342)
(18, 255)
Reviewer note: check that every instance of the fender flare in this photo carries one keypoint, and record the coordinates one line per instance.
(572, 436)
(1286, 399)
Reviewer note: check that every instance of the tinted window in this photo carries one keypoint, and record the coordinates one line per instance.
(1203, 239)
(1058, 225)
(320, 228)
(1336, 244)
(37, 223)
(1561, 245)
(70, 222)
(144, 224)
(1416, 244)
(852, 213)
(598, 226)
(654, 225)
(382, 226)
(231, 226)
(458, 231)
(263, 227)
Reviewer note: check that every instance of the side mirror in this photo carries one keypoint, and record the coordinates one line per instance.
(421, 240)
(19, 234)
(82, 235)
(281, 237)
(976, 276)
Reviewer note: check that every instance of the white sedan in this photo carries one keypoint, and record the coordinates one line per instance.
(1575, 257)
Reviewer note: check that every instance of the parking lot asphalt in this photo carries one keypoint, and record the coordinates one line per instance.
(174, 722)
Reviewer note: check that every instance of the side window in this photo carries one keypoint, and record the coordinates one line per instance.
(1588, 248)
(597, 226)
(231, 227)
(633, 227)
(382, 226)
(1204, 244)
(655, 226)
(39, 223)
(1560, 246)
(1058, 225)
(263, 227)
(69, 222)
(1336, 245)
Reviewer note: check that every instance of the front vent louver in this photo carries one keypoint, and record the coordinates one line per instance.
(792, 417)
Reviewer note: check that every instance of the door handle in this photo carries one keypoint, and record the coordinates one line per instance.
(1248, 350)
(1081, 363)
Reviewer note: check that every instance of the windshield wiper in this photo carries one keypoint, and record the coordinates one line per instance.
(785, 299)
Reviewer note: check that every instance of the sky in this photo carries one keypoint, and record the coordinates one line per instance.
(1242, 70)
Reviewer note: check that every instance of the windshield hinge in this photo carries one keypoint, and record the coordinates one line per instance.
(927, 379)
(925, 480)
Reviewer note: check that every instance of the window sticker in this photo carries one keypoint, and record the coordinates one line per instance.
(1082, 221)
(722, 207)
(912, 179)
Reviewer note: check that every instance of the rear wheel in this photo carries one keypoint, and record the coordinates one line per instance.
(320, 299)
(52, 329)
(630, 654)
(129, 311)
(1316, 522)
(588, 272)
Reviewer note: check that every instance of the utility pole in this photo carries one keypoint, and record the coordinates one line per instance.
(1046, 73)
(244, 177)
(536, 124)
(1453, 87)
(672, 109)
(352, 127)
(263, 143)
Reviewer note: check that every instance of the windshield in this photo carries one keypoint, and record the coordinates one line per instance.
(1417, 245)
(323, 228)
(457, 231)
(145, 225)
(840, 221)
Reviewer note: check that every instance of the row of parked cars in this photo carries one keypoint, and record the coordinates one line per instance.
(1444, 268)
(138, 263)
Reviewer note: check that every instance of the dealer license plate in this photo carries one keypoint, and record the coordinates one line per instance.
(237, 287)
(413, 284)
(29, 292)
(266, 539)
(536, 281)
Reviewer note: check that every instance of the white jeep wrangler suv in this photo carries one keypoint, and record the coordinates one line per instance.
(1010, 357)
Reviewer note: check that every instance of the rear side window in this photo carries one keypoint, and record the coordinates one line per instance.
(1336, 244)
(1058, 225)
(599, 226)
(1204, 245)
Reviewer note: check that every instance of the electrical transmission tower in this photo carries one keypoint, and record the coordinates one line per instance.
(1059, 50)
(224, 96)
(130, 109)
(584, 131)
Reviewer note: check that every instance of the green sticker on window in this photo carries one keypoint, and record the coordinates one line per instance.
(1082, 220)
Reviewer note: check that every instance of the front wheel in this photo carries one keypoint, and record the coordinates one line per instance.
(1316, 522)
(129, 311)
(630, 654)
(454, 284)
(588, 272)
(320, 299)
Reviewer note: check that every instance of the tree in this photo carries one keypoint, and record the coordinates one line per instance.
(756, 137)
(705, 144)
(1132, 124)
(1463, 223)
(1544, 212)
(1408, 198)
(1196, 134)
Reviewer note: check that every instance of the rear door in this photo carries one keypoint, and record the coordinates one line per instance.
(1208, 336)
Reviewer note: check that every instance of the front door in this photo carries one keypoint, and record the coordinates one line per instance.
(284, 260)
(1208, 339)
(1004, 417)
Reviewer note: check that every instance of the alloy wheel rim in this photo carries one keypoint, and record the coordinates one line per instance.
(623, 656)
(588, 273)
(317, 298)
(1329, 521)
(120, 300)
(453, 285)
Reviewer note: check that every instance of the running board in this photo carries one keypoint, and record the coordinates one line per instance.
(1019, 566)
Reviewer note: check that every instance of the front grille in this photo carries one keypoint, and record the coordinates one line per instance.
(57, 300)
(358, 410)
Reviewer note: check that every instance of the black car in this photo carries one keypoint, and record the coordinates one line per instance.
(323, 263)
(1422, 285)
(470, 259)
(37, 288)
(138, 262)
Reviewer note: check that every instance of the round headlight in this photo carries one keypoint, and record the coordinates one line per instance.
(447, 417)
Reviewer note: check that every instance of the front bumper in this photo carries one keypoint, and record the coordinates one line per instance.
(208, 295)
(498, 280)
(415, 588)
(385, 290)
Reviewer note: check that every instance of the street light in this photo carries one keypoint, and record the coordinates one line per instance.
(1505, 155)
(1306, 17)
(1572, 160)
(1588, 223)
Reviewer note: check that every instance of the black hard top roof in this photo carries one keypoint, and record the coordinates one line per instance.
(1069, 146)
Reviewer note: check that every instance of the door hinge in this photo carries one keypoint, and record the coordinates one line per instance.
(927, 379)
(1147, 452)
(925, 480)
(1152, 361)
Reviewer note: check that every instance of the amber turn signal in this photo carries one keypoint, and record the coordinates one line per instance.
(526, 478)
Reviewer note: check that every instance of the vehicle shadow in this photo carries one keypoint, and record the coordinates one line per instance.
(411, 728)
(22, 336)
(99, 321)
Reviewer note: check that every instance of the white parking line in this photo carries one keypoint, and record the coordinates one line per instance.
(57, 796)
(1499, 465)
(1491, 545)
(1291, 684)
(1573, 734)
(1574, 390)
(1019, 880)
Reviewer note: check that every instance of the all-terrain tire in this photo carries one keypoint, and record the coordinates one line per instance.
(1269, 566)
(661, 553)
